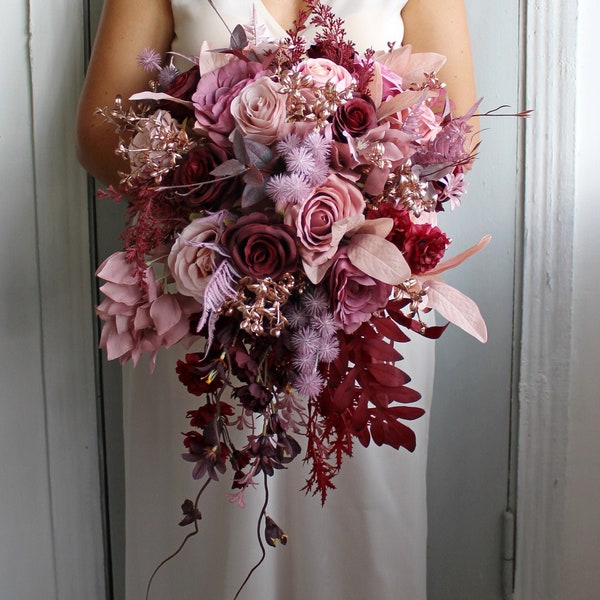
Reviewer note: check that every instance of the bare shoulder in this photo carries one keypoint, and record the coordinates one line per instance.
(126, 27)
(442, 26)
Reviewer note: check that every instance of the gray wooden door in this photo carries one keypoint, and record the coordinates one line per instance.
(470, 441)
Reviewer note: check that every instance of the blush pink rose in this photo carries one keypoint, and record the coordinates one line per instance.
(356, 296)
(335, 199)
(323, 71)
(259, 111)
(192, 259)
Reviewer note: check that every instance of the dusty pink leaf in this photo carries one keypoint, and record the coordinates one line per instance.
(378, 258)
(398, 103)
(160, 96)
(451, 263)
(228, 168)
(456, 307)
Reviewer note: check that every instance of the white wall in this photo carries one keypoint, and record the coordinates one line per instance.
(50, 514)
(581, 576)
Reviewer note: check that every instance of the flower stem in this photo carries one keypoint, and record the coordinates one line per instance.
(260, 542)
(184, 541)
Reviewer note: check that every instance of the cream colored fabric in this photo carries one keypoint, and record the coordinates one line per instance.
(368, 542)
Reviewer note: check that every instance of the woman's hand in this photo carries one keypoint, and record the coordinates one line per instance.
(126, 27)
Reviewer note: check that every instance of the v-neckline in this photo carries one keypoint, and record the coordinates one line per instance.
(273, 20)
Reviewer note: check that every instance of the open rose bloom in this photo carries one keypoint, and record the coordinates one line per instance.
(282, 206)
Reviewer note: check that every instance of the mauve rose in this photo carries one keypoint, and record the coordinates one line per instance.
(323, 71)
(354, 118)
(190, 262)
(424, 247)
(259, 111)
(213, 96)
(260, 246)
(195, 167)
(335, 199)
(356, 295)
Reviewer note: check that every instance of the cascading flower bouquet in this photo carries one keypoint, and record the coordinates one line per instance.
(282, 203)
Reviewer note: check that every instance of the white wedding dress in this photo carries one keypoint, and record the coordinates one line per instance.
(367, 542)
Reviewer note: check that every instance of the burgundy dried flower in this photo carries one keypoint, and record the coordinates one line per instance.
(274, 533)
(190, 513)
(207, 452)
(424, 247)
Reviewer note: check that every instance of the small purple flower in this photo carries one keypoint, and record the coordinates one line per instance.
(149, 59)
(309, 384)
(274, 533)
(190, 513)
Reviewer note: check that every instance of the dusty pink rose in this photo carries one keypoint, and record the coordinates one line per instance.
(324, 71)
(138, 320)
(214, 94)
(335, 199)
(356, 295)
(259, 111)
(193, 259)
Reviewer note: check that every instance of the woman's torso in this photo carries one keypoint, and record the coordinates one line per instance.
(368, 23)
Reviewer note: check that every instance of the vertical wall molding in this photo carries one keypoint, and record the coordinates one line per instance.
(549, 83)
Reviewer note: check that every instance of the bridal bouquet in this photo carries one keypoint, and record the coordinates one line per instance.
(282, 202)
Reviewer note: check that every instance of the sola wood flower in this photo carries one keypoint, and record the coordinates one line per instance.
(138, 319)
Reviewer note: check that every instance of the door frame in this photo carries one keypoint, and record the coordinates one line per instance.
(549, 79)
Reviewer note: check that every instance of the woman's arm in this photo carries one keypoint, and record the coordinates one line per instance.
(126, 27)
(441, 26)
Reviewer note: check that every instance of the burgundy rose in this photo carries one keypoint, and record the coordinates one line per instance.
(356, 295)
(184, 84)
(354, 118)
(195, 168)
(424, 247)
(261, 247)
(214, 94)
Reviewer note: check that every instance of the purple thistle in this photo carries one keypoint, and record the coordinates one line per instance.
(320, 173)
(316, 301)
(167, 74)
(309, 384)
(319, 145)
(329, 349)
(325, 324)
(295, 316)
(305, 339)
(304, 362)
(288, 143)
(149, 59)
(300, 160)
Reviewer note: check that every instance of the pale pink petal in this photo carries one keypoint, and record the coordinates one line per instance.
(123, 294)
(378, 258)
(166, 313)
(315, 273)
(116, 269)
(451, 263)
(456, 307)
(399, 103)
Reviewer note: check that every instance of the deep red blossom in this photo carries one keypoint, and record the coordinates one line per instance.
(424, 247)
